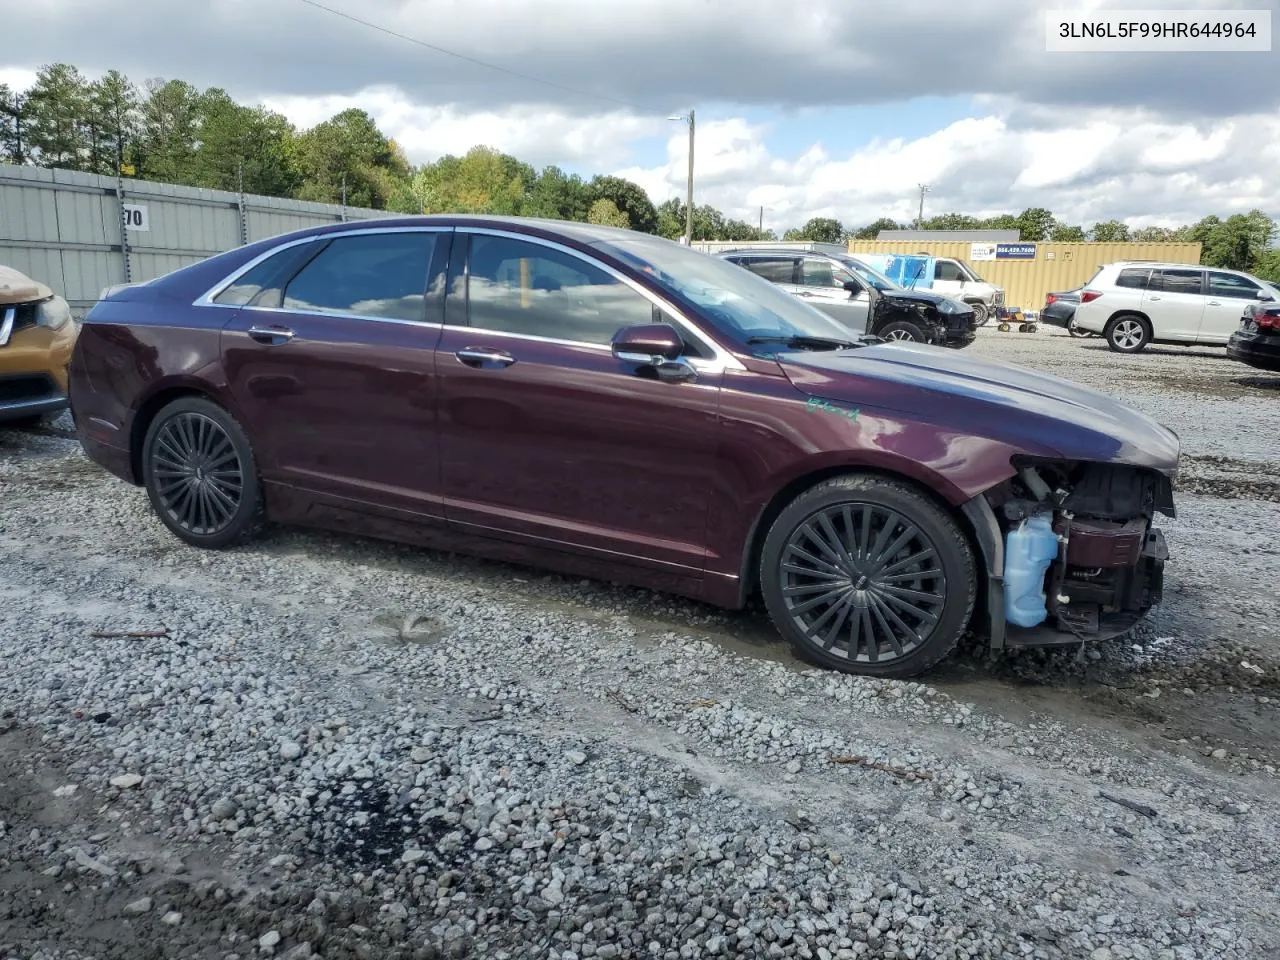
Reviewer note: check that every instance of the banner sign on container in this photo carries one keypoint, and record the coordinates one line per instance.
(1015, 251)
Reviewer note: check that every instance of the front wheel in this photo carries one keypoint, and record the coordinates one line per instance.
(200, 474)
(903, 330)
(980, 314)
(1128, 333)
(867, 575)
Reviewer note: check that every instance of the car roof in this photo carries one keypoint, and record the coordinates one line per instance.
(774, 252)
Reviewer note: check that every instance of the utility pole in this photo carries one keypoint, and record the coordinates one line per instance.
(761, 227)
(924, 188)
(688, 212)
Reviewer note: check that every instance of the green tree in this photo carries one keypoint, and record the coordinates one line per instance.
(57, 113)
(349, 152)
(483, 181)
(628, 197)
(12, 134)
(1267, 266)
(872, 229)
(606, 213)
(1034, 224)
(170, 132)
(113, 122)
(1005, 221)
(951, 221)
(1239, 241)
(1109, 231)
(1153, 235)
(557, 195)
(239, 143)
(1066, 233)
(818, 230)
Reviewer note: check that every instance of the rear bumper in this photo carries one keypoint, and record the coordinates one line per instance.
(1255, 349)
(1057, 316)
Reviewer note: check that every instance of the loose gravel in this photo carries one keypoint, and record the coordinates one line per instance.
(323, 746)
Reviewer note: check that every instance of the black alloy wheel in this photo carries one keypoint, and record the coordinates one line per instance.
(200, 474)
(867, 575)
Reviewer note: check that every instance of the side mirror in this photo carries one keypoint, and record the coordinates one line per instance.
(656, 348)
(649, 343)
(853, 286)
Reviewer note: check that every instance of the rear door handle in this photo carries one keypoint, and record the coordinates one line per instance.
(271, 335)
(1214, 303)
(482, 357)
(1153, 298)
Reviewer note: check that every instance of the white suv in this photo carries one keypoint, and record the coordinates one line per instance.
(1133, 303)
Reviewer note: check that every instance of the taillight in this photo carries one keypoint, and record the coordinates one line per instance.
(1268, 321)
(1088, 296)
(1049, 298)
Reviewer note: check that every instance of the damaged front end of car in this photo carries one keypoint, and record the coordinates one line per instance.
(1072, 550)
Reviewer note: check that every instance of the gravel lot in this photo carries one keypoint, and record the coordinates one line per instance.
(343, 748)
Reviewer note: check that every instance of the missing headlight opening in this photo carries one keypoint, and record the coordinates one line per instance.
(1082, 554)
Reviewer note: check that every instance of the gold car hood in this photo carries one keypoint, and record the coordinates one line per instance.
(17, 287)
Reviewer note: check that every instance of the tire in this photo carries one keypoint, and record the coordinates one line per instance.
(184, 444)
(800, 605)
(1076, 331)
(1128, 333)
(903, 330)
(1003, 328)
(980, 314)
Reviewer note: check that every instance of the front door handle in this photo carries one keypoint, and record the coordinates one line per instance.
(271, 335)
(1214, 303)
(482, 357)
(1153, 298)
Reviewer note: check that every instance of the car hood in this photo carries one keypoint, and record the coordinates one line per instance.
(17, 287)
(913, 296)
(1035, 412)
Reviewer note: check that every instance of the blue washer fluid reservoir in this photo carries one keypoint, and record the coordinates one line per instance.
(1029, 549)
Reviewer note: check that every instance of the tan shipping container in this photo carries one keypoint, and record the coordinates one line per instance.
(1056, 267)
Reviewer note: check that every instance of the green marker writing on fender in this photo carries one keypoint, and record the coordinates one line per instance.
(816, 403)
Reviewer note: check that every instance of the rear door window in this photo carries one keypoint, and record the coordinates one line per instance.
(773, 269)
(379, 275)
(1177, 281)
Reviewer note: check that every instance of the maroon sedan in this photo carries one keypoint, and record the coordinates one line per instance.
(608, 403)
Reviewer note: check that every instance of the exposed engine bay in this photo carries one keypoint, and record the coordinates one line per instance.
(1083, 559)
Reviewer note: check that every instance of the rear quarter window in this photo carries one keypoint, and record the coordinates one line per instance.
(1133, 279)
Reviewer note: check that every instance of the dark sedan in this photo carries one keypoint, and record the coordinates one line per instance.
(1060, 311)
(612, 404)
(1257, 342)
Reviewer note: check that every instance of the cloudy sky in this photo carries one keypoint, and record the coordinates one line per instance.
(825, 108)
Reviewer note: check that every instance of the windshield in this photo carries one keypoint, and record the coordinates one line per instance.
(738, 303)
(868, 275)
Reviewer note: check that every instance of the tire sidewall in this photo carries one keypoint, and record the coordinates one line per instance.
(250, 506)
(1116, 321)
(954, 552)
(981, 313)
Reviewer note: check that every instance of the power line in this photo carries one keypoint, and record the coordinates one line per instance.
(461, 56)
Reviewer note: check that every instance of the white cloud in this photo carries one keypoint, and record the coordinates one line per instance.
(536, 135)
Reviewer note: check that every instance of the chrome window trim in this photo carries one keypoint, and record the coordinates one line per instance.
(720, 359)
(337, 314)
(206, 299)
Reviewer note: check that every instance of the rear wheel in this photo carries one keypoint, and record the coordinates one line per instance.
(903, 330)
(200, 474)
(1128, 333)
(867, 575)
(1076, 331)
